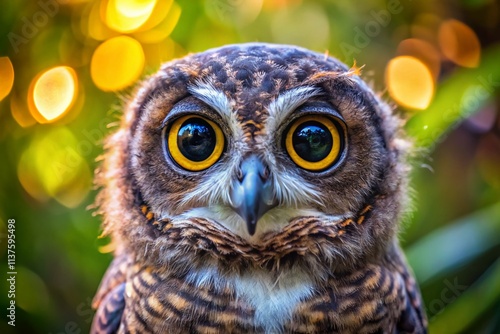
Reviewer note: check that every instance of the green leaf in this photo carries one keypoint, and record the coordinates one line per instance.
(455, 244)
(472, 304)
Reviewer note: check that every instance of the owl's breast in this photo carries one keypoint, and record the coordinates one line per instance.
(257, 302)
(204, 301)
(158, 302)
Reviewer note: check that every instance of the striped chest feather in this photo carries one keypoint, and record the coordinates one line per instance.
(257, 302)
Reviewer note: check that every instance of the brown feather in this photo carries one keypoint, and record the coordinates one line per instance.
(359, 281)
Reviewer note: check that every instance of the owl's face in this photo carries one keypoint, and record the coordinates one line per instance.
(245, 180)
(253, 137)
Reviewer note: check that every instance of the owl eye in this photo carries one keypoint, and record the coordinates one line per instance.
(195, 143)
(315, 142)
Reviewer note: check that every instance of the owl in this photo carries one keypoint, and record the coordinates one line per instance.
(256, 188)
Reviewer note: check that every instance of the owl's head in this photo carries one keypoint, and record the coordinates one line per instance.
(255, 146)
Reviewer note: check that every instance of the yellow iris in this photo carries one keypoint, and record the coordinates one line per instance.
(194, 142)
(315, 142)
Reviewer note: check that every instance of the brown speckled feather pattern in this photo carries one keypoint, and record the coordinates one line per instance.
(358, 301)
(178, 274)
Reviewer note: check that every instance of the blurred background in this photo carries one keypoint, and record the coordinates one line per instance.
(67, 65)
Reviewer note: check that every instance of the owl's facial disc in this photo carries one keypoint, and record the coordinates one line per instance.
(252, 194)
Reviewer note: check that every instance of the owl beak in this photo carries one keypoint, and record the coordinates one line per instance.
(252, 193)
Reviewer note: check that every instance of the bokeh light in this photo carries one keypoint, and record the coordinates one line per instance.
(158, 33)
(94, 26)
(409, 82)
(424, 51)
(425, 26)
(52, 167)
(53, 93)
(160, 12)
(7, 75)
(117, 63)
(459, 43)
(128, 15)
(20, 112)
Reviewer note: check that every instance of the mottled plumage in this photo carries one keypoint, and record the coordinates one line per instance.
(253, 239)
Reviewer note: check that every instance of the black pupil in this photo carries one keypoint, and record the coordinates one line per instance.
(312, 141)
(196, 139)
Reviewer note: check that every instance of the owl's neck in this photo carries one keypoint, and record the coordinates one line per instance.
(306, 241)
